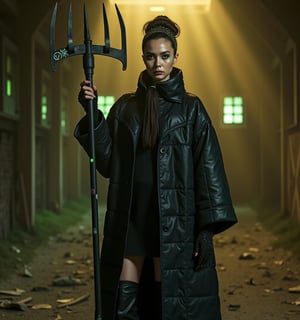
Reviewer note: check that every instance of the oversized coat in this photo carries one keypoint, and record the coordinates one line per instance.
(193, 195)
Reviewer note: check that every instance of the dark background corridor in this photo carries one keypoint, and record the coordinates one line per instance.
(232, 48)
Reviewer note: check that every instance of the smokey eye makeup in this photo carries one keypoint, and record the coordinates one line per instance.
(164, 56)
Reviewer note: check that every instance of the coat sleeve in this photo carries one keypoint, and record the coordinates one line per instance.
(214, 209)
(104, 134)
(103, 143)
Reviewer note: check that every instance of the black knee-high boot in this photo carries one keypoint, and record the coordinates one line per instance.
(127, 307)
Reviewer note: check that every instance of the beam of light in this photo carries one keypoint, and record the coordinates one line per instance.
(204, 5)
(157, 9)
(164, 2)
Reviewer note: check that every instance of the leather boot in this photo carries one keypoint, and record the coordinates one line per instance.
(127, 307)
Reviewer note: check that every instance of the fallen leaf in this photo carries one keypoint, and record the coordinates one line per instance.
(15, 292)
(295, 289)
(268, 290)
(43, 306)
(70, 262)
(74, 301)
(79, 272)
(64, 300)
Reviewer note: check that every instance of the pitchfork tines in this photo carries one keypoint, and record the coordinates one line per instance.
(87, 48)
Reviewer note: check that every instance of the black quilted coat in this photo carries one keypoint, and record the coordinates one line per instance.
(193, 195)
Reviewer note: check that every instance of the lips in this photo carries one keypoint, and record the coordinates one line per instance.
(158, 73)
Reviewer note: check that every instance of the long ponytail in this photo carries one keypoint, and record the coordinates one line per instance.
(150, 122)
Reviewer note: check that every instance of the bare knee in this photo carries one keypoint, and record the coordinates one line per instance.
(132, 267)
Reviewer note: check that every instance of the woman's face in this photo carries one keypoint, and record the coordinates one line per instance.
(159, 58)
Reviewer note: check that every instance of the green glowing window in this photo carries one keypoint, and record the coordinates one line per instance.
(8, 87)
(63, 121)
(105, 103)
(64, 112)
(233, 110)
(44, 109)
(8, 69)
(9, 77)
(44, 104)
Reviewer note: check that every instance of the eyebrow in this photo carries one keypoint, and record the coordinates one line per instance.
(164, 52)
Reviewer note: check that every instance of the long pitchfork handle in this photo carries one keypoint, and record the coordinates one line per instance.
(88, 50)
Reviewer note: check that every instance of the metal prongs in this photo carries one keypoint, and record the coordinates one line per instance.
(71, 49)
(87, 36)
(70, 30)
(106, 31)
(123, 38)
(52, 36)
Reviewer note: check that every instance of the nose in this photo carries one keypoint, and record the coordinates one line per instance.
(157, 62)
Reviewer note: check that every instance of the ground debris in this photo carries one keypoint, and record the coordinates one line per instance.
(262, 266)
(72, 301)
(291, 312)
(39, 289)
(289, 277)
(67, 281)
(70, 262)
(246, 256)
(251, 282)
(221, 267)
(20, 305)
(15, 292)
(279, 262)
(234, 307)
(68, 254)
(295, 289)
(15, 249)
(41, 306)
(26, 272)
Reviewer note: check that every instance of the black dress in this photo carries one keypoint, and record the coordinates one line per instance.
(143, 229)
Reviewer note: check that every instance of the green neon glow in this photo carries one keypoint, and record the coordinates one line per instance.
(8, 88)
(233, 110)
(105, 103)
(238, 101)
(44, 108)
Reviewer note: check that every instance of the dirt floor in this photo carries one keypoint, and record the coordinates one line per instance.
(256, 280)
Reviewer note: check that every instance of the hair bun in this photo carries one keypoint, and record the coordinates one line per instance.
(164, 23)
(161, 26)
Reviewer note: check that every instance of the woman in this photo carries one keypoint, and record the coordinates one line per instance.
(168, 193)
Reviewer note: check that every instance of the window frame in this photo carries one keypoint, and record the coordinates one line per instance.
(233, 124)
(10, 104)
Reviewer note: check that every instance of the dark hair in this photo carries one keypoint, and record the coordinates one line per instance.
(159, 27)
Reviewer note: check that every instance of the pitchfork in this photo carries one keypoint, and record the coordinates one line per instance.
(88, 50)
